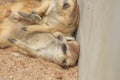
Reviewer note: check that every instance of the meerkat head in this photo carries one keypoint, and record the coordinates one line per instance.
(71, 49)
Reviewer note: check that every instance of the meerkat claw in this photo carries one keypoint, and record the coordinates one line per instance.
(25, 15)
(24, 29)
(30, 16)
(12, 40)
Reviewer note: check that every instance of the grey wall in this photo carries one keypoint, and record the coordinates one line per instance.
(99, 37)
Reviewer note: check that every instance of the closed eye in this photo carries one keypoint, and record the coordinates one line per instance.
(70, 40)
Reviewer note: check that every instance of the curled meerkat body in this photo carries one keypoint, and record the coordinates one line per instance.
(56, 48)
(57, 15)
(61, 50)
(60, 16)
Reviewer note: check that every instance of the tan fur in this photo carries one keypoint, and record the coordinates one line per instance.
(56, 48)
(10, 25)
(56, 18)
(52, 47)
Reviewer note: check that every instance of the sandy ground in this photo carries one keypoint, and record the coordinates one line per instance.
(16, 66)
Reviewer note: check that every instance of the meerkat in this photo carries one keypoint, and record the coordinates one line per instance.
(57, 48)
(57, 15)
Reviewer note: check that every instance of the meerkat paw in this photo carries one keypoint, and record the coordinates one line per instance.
(33, 28)
(58, 35)
(24, 28)
(27, 29)
(12, 40)
(33, 16)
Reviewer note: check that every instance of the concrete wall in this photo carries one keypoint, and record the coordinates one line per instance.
(99, 37)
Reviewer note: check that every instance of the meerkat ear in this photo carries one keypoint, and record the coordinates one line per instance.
(66, 4)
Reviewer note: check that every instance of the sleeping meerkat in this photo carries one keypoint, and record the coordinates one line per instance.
(56, 48)
(57, 15)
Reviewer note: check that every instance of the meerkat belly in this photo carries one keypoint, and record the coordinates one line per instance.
(39, 40)
(55, 19)
(46, 45)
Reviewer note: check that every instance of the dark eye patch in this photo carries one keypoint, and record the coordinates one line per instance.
(69, 40)
(64, 48)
